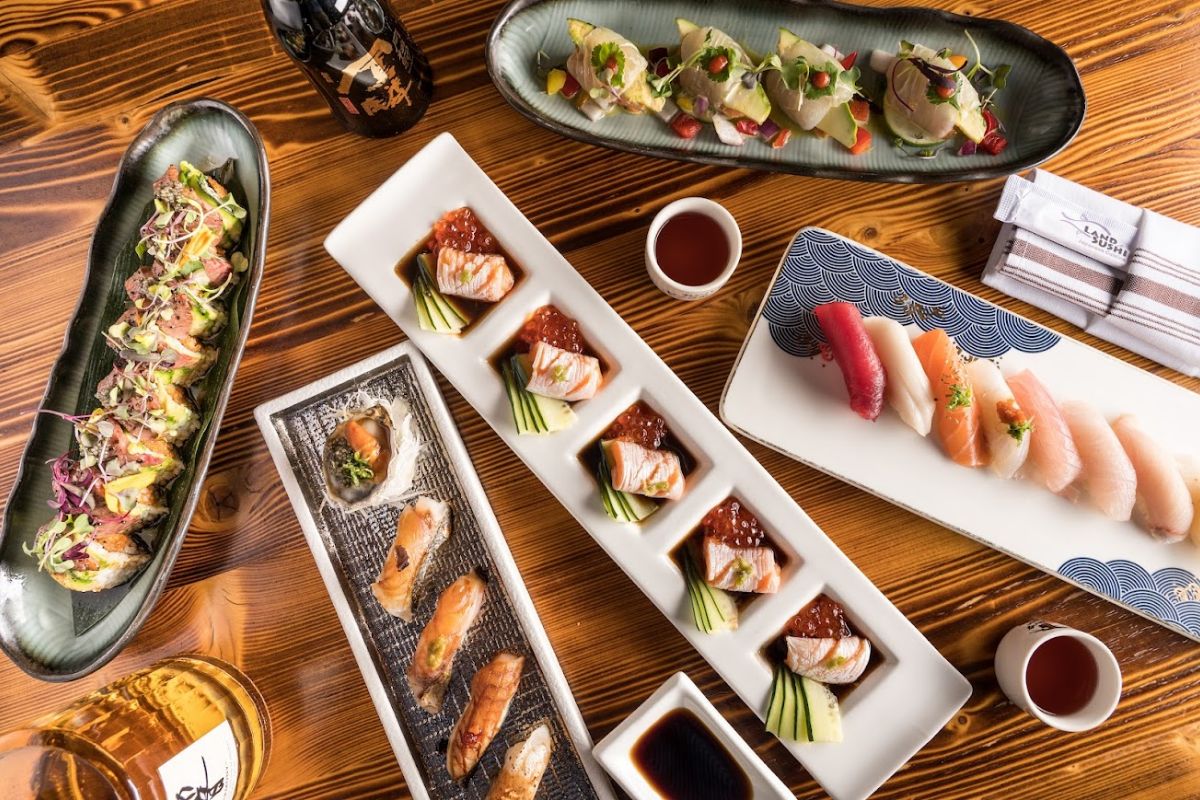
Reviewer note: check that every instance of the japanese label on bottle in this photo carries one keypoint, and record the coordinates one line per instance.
(385, 89)
(207, 769)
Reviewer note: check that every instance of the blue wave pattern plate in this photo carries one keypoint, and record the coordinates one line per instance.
(783, 394)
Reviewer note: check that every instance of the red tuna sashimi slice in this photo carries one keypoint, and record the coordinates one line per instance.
(855, 355)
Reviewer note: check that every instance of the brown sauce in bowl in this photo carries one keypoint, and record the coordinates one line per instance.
(682, 759)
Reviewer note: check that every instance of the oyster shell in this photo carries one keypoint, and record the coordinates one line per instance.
(371, 456)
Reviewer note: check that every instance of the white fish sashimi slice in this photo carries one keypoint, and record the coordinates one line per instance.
(1164, 505)
(1006, 426)
(828, 660)
(1189, 465)
(1108, 476)
(908, 389)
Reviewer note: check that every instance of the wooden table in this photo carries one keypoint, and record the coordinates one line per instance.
(79, 77)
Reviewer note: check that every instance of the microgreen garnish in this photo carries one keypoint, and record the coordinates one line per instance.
(959, 396)
(356, 469)
(1017, 430)
(608, 61)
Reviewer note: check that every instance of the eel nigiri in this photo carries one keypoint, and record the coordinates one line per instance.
(492, 691)
(740, 569)
(524, 765)
(1006, 426)
(908, 389)
(457, 609)
(1108, 476)
(956, 415)
(855, 355)
(1190, 467)
(476, 276)
(640, 470)
(1164, 505)
(422, 528)
(561, 374)
(841, 660)
(1052, 451)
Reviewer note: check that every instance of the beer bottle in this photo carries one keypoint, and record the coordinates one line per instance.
(359, 57)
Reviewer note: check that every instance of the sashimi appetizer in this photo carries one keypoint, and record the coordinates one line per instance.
(111, 489)
(423, 527)
(980, 417)
(729, 555)
(816, 89)
(819, 650)
(457, 274)
(492, 692)
(547, 369)
(610, 72)
(639, 464)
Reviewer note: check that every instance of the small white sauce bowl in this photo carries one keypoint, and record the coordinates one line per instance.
(712, 210)
(1012, 662)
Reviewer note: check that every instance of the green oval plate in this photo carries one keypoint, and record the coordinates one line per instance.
(1042, 105)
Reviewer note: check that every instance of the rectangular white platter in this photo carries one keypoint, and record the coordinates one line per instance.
(348, 548)
(896, 709)
(795, 402)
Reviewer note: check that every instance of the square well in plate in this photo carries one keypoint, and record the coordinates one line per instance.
(895, 710)
(349, 547)
(807, 417)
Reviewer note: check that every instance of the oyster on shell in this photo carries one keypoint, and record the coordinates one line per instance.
(371, 456)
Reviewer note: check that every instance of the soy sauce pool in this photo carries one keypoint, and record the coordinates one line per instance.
(692, 248)
(1062, 675)
(682, 759)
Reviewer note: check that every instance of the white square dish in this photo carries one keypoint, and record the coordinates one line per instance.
(894, 711)
(615, 751)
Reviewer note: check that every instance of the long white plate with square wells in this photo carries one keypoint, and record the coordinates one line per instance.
(783, 395)
(897, 708)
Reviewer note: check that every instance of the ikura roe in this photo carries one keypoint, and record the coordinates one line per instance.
(638, 424)
(460, 229)
(734, 524)
(823, 618)
(551, 326)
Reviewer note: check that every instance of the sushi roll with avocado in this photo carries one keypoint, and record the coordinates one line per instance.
(193, 213)
(137, 395)
(118, 452)
(85, 557)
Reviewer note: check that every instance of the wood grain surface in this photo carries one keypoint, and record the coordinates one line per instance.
(79, 77)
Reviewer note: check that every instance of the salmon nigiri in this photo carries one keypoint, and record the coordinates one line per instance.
(1006, 426)
(1163, 505)
(1108, 476)
(907, 386)
(955, 417)
(561, 374)
(855, 355)
(1052, 451)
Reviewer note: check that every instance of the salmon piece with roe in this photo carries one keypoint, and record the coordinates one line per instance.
(561, 374)
(956, 415)
(740, 569)
(475, 276)
(640, 470)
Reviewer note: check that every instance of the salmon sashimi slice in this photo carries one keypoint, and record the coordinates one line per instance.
(421, 530)
(1163, 505)
(740, 569)
(524, 765)
(828, 660)
(907, 387)
(561, 374)
(476, 276)
(640, 470)
(1108, 476)
(855, 355)
(492, 691)
(955, 416)
(457, 609)
(1052, 452)
(1007, 427)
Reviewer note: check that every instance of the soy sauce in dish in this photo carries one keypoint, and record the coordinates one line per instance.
(1061, 675)
(692, 248)
(682, 759)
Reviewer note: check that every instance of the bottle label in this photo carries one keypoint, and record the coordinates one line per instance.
(207, 769)
(384, 88)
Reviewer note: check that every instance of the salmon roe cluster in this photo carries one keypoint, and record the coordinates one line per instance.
(823, 618)
(640, 425)
(551, 326)
(734, 524)
(460, 229)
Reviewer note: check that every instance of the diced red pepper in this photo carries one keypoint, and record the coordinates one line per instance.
(820, 79)
(746, 126)
(781, 138)
(685, 126)
(849, 60)
(994, 143)
(861, 111)
(717, 63)
(863, 143)
(570, 88)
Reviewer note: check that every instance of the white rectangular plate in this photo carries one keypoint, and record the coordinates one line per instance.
(896, 709)
(348, 548)
(789, 399)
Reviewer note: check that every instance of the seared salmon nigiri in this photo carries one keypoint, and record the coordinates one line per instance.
(1006, 426)
(476, 276)
(1052, 451)
(1164, 505)
(740, 569)
(422, 528)
(492, 691)
(444, 634)
(1108, 476)
(561, 374)
(640, 470)
(956, 416)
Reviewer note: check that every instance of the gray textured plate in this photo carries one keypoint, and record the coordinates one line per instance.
(350, 546)
(1042, 106)
(48, 631)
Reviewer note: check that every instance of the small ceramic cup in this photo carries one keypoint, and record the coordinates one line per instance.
(1012, 663)
(700, 205)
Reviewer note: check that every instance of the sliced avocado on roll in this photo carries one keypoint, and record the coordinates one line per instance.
(232, 214)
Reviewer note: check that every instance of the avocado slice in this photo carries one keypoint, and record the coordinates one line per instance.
(786, 39)
(752, 103)
(577, 29)
(839, 123)
(685, 26)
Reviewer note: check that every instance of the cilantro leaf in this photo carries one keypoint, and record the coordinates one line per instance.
(604, 53)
